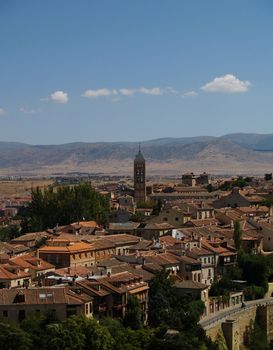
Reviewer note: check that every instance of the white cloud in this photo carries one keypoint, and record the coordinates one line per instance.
(171, 90)
(30, 110)
(59, 97)
(146, 91)
(100, 93)
(153, 91)
(190, 94)
(2, 111)
(127, 92)
(105, 92)
(228, 83)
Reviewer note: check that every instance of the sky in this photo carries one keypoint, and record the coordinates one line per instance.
(133, 70)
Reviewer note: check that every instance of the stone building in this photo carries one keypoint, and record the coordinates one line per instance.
(140, 178)
(59, 303)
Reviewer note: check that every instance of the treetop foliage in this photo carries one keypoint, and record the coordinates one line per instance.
(63, 206)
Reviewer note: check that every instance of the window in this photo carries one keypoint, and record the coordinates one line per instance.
(21, 315)
(5, 313)
(176, 219)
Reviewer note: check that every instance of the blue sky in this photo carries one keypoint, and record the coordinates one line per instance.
(112, 70)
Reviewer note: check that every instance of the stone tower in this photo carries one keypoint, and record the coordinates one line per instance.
(139, 178)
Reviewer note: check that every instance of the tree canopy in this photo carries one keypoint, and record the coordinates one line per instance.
(62, 206)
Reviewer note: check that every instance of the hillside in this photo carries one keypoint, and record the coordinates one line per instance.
(229, 154)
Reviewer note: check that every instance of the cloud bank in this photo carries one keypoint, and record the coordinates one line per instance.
(105, 92)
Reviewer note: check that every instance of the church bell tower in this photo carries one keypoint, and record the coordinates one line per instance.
(139, 178)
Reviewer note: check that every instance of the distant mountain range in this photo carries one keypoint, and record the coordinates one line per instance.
(229, 154)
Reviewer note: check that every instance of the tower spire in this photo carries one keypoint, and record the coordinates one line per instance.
(139, 147)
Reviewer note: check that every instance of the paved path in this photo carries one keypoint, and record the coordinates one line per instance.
(210, 321)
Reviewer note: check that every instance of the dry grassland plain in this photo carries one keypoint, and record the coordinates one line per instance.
(19, 188)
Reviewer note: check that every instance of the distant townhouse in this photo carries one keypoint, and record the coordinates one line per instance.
(37, 267)
(234, 199)
(123, 227)
(110, 293)
(81, 228)
(59, 303)
(31, 239)
(78, 254)
(152, 231)
(208, 263)
(12, 276)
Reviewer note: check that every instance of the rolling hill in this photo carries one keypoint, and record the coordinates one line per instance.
(228, 154)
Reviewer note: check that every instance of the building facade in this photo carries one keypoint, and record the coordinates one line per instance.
(140, 178)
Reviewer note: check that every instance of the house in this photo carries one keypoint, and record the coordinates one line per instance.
(12, 276)
(208, 262)
(31, 239)
(13, 249)
(82, 228)
(77, 254)
(175, 216)
(190, 268)
(152, 231)
(110, 293)
(127, 203)
(59, 303)
(37, 267)
(234, 199)
(122, 242)
(129, 227)
(195, 289)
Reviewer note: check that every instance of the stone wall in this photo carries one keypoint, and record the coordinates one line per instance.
(236, 325)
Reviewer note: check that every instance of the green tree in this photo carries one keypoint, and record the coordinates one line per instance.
(97, 337)
(256, 338)
(220, 341)
(64, 205)
(126, 338)
(138, 217)
(9, 232)
(133, 314)
(237, 235)
(35, 325)
(256, 270)
(12, 337)
(161, 295)
(157, 207)
(66, 335)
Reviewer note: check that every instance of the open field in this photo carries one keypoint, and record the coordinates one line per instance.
(21, 187)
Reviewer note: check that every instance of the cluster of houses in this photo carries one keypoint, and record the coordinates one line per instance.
(83, 268)
(9, 207)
